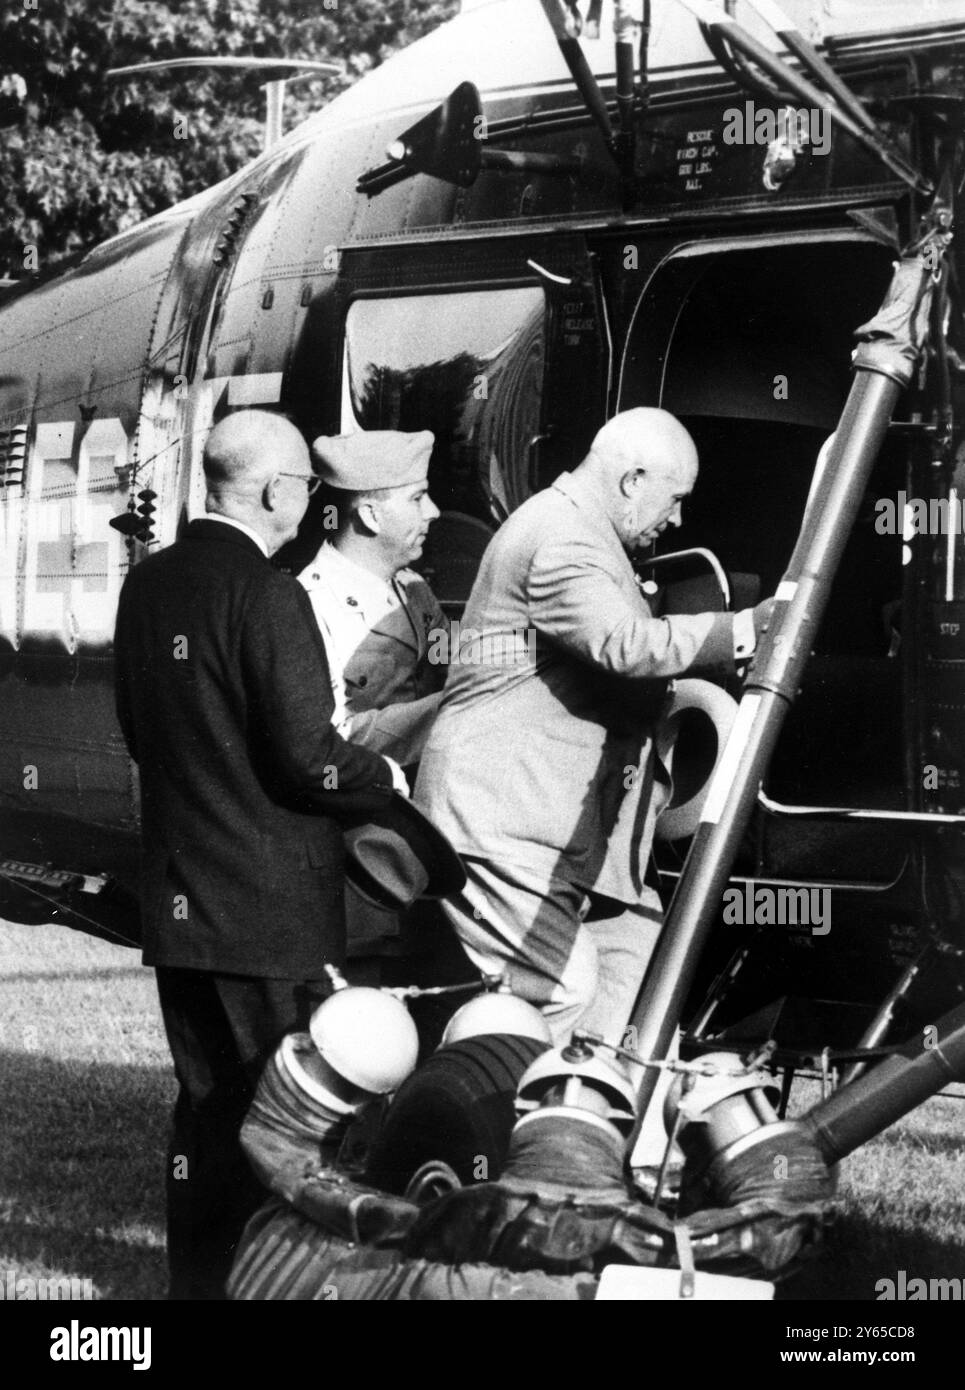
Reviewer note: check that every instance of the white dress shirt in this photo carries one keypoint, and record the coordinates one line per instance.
(249, 531)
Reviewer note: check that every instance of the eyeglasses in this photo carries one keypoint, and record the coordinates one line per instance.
(312, 479)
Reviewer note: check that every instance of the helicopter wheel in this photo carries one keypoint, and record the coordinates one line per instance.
(453, 1117)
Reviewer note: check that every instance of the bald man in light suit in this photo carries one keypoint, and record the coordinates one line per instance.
(542, 770)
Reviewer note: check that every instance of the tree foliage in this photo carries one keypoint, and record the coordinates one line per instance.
(83, 156)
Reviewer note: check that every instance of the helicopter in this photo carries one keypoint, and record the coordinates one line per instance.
(537, 216)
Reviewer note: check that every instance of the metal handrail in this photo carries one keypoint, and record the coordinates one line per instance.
(836, 885)
(779, 808)
(719, 573)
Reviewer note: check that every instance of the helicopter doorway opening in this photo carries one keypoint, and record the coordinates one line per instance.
(749, 343)
(751, 347)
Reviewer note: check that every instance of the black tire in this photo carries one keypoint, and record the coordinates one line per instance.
(457, 1108)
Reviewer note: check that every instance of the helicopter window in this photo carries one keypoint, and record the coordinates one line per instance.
(468, 366)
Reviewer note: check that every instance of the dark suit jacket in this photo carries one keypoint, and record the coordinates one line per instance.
(224, 697)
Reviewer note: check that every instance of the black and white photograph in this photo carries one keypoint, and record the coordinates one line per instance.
(482, 665)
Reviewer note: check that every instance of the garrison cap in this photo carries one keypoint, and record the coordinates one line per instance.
(372, 459)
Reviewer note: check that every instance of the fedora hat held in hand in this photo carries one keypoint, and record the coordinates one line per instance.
(397, 855)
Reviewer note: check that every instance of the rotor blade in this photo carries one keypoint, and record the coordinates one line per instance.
(283, 66)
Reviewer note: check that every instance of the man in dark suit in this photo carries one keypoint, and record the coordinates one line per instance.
(223, 695)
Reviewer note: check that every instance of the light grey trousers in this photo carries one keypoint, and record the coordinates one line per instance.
(579, 960)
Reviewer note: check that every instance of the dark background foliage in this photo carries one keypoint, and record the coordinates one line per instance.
(83, 156)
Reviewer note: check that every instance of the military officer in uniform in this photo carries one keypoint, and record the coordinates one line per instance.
(380, 621)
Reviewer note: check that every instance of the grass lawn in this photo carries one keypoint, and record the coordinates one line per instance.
(86, 1088)
(901, 1205)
